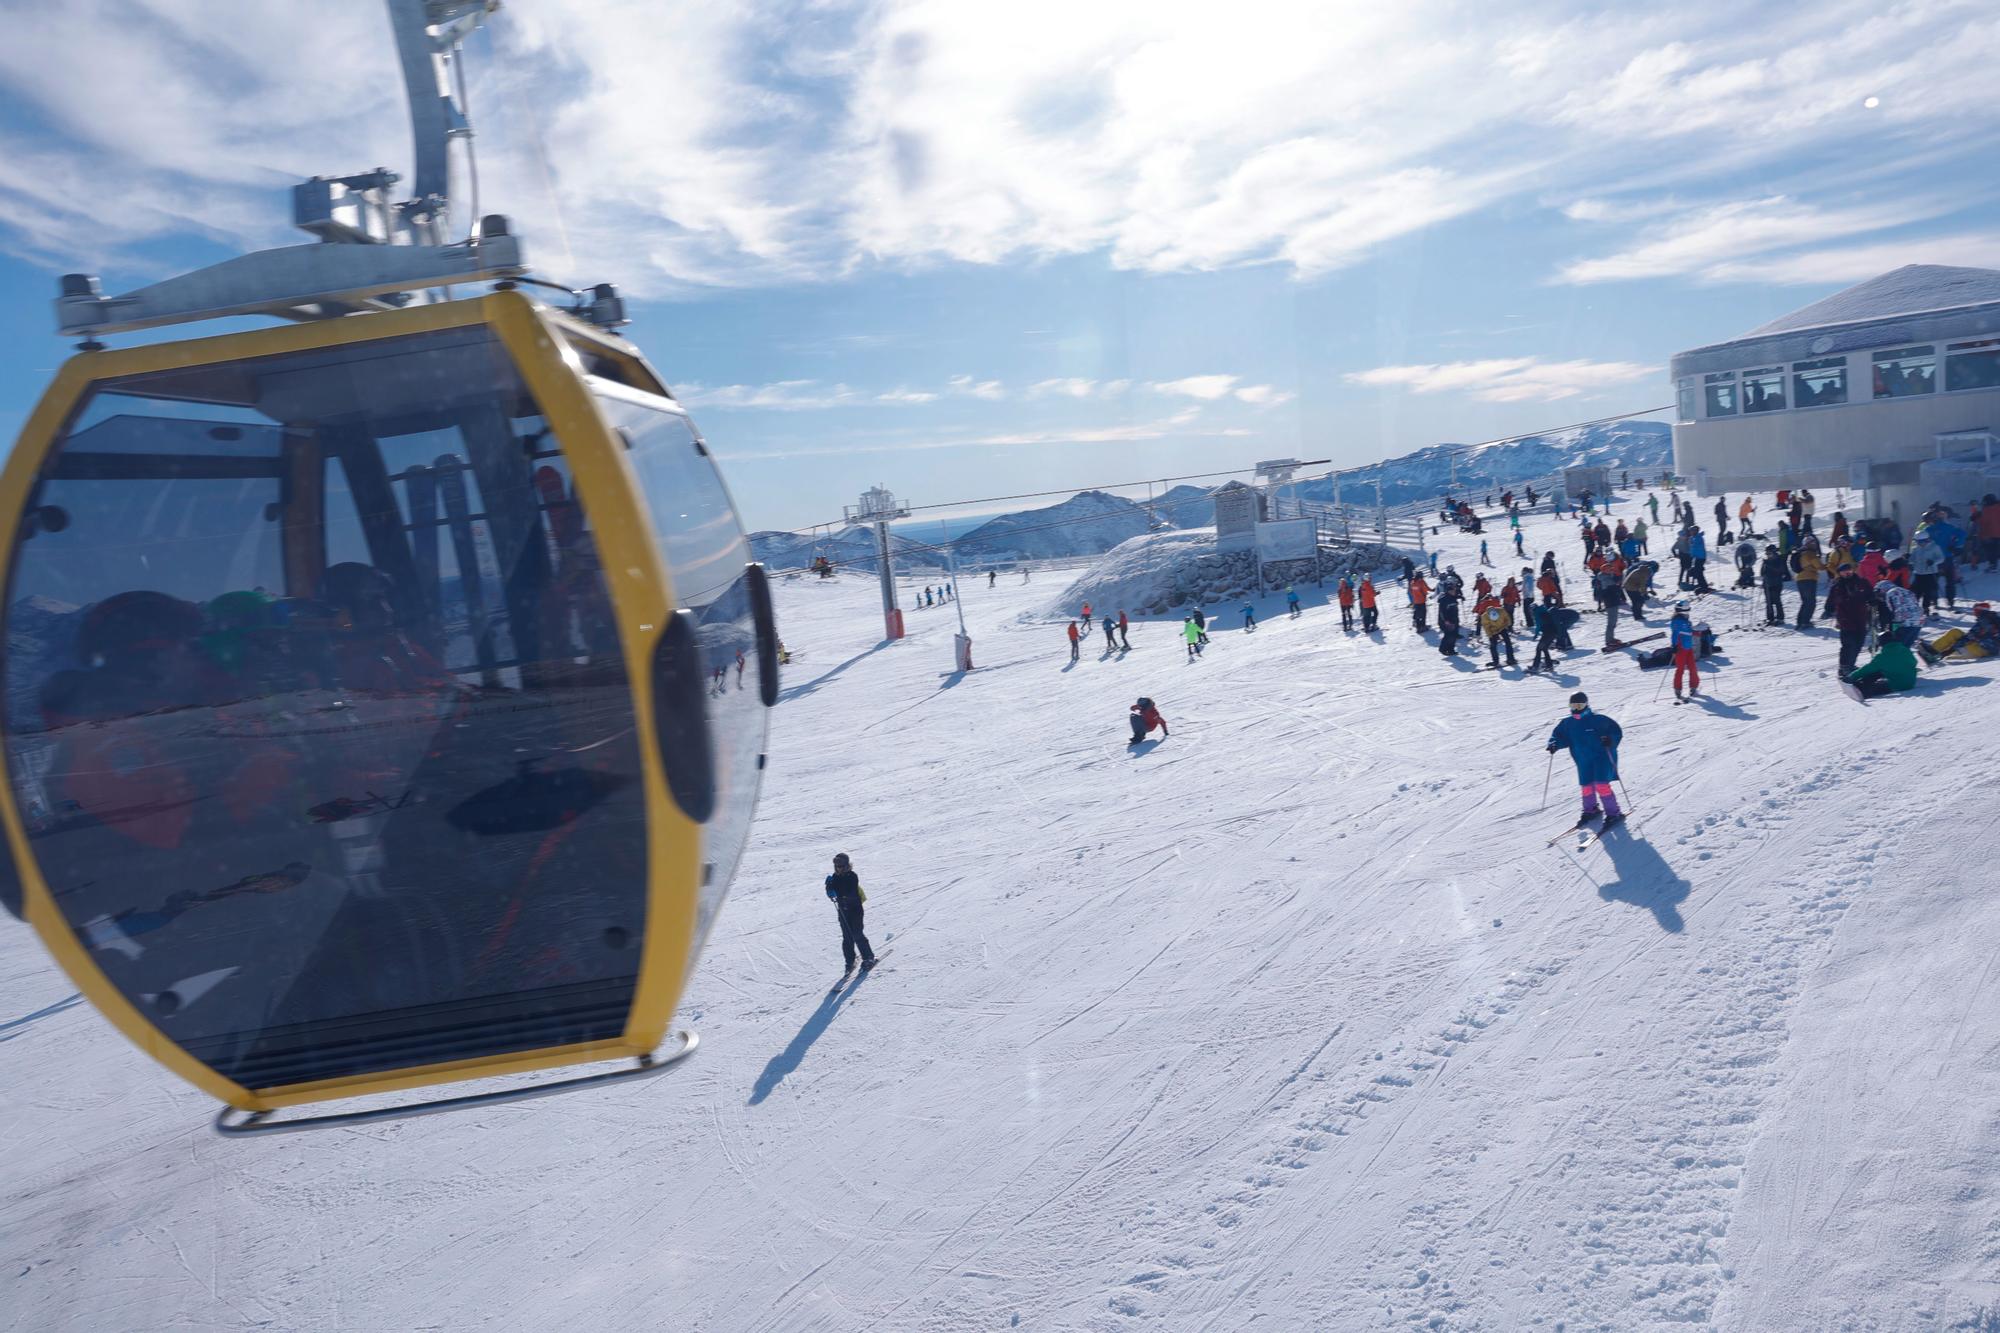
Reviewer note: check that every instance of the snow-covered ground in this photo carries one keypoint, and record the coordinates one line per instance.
(1293, 1020)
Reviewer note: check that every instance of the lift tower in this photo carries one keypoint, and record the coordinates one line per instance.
(879, 506)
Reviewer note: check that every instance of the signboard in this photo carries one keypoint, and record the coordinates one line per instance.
(1288, 539)
(1236, 513)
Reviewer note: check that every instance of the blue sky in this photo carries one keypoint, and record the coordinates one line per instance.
(968, 250)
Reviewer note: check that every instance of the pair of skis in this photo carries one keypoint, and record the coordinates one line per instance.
(1586, 833)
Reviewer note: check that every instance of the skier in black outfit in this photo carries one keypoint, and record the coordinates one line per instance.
(1774, 575)
(1448, 626)
(843, 889)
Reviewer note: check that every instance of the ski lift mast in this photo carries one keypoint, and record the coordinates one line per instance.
(878, 505)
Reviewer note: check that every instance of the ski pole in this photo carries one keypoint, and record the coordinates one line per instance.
(1662, 686)
(1622, 792)
(1547, 774)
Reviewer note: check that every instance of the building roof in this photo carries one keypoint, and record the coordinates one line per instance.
(1918, 303)
(1909, 290)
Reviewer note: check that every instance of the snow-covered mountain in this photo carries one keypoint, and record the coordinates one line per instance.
(1088, 523)
(1092, 522)
(851, 549)
(1636, 446)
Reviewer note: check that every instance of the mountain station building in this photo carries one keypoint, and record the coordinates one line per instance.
(1890, 390)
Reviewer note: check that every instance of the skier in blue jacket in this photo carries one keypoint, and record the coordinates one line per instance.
(1592, 741)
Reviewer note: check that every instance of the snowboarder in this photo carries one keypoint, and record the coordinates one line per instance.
(843, 890)
(1369, 612)
(1592, 741)
(1746, 562)
(1890, 671)
(1145, 716)
(1344, 592)
(1124, 630)
(1686, 644)
(1192, 633)
(1074, 641)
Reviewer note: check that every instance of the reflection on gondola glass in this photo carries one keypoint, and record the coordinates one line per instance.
(317, 716)
(705, 549)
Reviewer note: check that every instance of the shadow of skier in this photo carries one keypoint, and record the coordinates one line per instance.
(1644, 880)
(787, 1060)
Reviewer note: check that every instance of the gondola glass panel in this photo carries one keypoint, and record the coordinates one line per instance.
(317, 717)
(704, 546)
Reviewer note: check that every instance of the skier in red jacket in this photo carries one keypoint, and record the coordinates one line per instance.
(1146, 716)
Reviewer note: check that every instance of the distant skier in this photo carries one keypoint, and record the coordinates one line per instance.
(1419, 602)
(1086, 616)
(1249, 616)
(1075, 641)
(1201, 625)
(992, 577)
(1110, 635)
(1146, 716)
(1124, 631)
(1519, 550)
(1192, 633)
(1369, 611)
(1746, 562)
(1344, 592)
(1291, 602)
(1592, 741)
(843, 890)
(1687, 647)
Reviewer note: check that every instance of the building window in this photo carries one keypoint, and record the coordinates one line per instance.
(1905, 371)
(1689, 399)
(1720, 391)
(1819, 383)
(1974, 365)
(1764, 390)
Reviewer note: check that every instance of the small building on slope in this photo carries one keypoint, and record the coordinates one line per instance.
(1890, 389)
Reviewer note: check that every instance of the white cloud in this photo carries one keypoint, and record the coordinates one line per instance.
(1857, 262)
(1508, 379)
(1208, 388)
(1068, 387)
(909, 396)
(990, 390)
(1264, 395)
(740, 146)
(1727, 233)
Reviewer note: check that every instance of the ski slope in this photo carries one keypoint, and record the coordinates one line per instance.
(1293, 1020)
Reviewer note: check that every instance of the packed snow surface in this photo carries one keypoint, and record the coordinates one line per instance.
(1291, 1020)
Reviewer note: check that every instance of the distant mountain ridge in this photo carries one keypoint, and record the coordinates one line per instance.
(1092, 522)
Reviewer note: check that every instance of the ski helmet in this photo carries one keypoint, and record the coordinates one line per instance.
(1579, 698)
(1680, 608)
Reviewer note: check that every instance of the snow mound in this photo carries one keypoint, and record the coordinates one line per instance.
(1162, 572)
